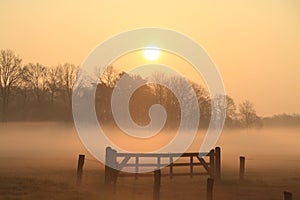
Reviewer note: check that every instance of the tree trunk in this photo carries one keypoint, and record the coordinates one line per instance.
(4, 108)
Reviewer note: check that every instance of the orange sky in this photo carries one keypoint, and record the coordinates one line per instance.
(254, 43)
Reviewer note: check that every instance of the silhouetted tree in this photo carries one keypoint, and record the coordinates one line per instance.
(35, 75)
(22, 88)
(159, 90)
(53, 81)
(10, 71)
(184, 91)
(109, 76)
(67, 80)
(204, 102)
(225, 103)
(231, 110)
(283, 119)
(248, 114)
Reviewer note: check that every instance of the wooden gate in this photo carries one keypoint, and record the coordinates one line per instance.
(115, 162)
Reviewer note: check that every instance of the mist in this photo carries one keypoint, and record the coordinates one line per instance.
(51, 140)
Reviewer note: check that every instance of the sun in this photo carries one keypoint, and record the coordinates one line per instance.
(151, 53)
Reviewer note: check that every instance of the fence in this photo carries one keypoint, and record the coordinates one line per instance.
(115, 162)
(212, 167)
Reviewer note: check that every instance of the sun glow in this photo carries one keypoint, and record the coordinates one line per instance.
(151, 53)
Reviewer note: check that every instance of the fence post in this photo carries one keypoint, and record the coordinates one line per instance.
(171, 167)
(107, 168)
(156, 186)
(191, 166)
(287, 195)
(212, 163)
(242, 167)
(209, 189)
(110, 165)
(80, 168)
(218, 163)
(136, 167)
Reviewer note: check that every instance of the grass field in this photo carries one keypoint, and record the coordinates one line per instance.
(39, 160)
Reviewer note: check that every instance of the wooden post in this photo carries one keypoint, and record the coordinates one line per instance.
(191, 167)
(209, 189)
(287, 195)
(107, 168)
(110, 166)
(156, 186)
(136, 167)
(114, 166)
(242, 167)
(212, 163)
(171, 167)
(158, 162)
(79, 168)
(218, 163)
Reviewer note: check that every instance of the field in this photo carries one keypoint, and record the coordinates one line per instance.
(39, 160)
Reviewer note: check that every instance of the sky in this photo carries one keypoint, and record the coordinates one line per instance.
(255, 44)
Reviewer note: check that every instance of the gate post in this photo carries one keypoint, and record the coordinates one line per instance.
(81, 158)
(209, 189)
(212, 163)
(242, 167)
(287, 195)
(110, 165)
(218, 163)
(156, 186)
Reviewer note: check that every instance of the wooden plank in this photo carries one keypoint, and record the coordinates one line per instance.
(147, 155)
(124, 174)
(141, 165)
(181, 164)
(162, 164)
(202, 161)
(187, 174)
(188, 164)
(124, 162)
(162, 175)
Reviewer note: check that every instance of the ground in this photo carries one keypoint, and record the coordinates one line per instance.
(31, 168)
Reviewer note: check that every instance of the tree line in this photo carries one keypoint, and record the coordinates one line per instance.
(34, 92)
(242, 115)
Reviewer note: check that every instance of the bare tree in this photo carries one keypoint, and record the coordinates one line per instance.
(53, 81)
(23, 90)
(231, 109)
(159, 90)
(248, 114)
(67, 73)
(10, 70)
(35, 75)
(204, 101)
(180, 91)
(109, 76)
(224, 105)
